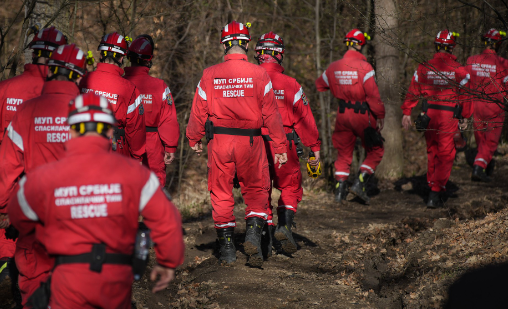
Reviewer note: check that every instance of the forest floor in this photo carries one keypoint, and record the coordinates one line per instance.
(393, 253)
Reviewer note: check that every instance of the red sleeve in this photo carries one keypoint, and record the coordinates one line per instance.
(372, 94)
(163, 219)
(135, 129)
(271, 116)
(12, 163)
(25, 210)
(169, 129)
(412, 95)
(304, 123)
(322, 83)
(198, 115)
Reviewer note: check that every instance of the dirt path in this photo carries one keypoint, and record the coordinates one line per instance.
(344, 256)
(393, 253)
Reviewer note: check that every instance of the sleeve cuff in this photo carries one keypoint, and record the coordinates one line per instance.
(315, 148)
(170, 149)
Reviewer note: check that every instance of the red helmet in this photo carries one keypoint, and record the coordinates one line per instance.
(446, 38)
(48, 39)
(69, 57)
(270, 41)
(493, 36)
(90, 107)
(357, 37)
(142, 47)
(234, 31)
(113, 42)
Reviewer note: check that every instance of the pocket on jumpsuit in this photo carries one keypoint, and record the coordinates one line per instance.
(26, 262)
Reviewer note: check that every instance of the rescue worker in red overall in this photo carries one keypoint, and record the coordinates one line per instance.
(298, 121)
(14, 91)
(35, 137)
(489, 75)
(162, 129)
(352, 81)
(130, 136)
(439, 81)
(84, 209)
(237, 97)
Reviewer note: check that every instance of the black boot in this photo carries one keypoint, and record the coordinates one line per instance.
(434, 200)
(252, 244)
(479, 174)
(490, 167)
(283, 231)
(340, 191)
(358, 187)
(227, 249)
(266, 240)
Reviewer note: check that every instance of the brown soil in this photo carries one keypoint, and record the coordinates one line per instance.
(393, 253)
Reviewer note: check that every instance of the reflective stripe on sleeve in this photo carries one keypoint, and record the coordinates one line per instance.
(134, 105)
(25, 207)
(416, 76)
(465, 80)
(505, 79)
(15, 137)
(268, 87)
(368, 75)
(325, 78)
(298, 95)
(201, 93)
(148, 191)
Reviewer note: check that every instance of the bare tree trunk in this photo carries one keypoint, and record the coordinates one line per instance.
(387, 67)
(322, 105)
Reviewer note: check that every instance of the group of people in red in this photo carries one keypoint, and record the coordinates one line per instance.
(75, 205)
(452, 95)
(74, 156)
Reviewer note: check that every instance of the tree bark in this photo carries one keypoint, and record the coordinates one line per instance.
(387, 71)
(47, 14)
(322, 105)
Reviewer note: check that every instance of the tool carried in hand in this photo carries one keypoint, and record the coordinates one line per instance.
(313, 171)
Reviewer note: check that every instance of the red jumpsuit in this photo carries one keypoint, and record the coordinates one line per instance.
(236, 94)
(352, 80)
(107, 81)
(489, 74)
(296, 115)
(14, 91)
(93, 196)
(439, 81)
(162, 131)
(35, 137)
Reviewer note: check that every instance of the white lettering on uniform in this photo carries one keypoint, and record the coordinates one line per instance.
(66, 191)
(57, 137)
(89, 211)
(43, 120)
(14, 101)
(233, 93)
(100, 189)
(346, 77)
